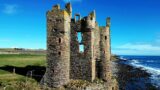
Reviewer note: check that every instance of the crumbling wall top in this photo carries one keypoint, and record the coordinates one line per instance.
(91, 20)
(56, 10)
(69, 9)
(56, 7)
(108, 22)
(93, 14)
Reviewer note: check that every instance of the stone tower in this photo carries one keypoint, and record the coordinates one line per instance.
(108, 47)
(105, 52)
(58, 47)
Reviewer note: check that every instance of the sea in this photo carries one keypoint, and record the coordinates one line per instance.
(149, 63)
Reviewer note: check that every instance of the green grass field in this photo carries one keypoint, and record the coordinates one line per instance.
(19, 61)
(22, 60)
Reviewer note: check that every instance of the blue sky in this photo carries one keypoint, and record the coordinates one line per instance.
(135, 26)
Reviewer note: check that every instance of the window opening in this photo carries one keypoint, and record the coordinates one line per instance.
(77, 17)
(59, 53)
(81, 45)
(81, 48)
(59, 40)
(55, 30)
(79, 36)
(105, 37)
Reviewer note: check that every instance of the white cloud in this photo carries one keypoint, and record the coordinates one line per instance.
(72, 1)
(137, 49)
(10, 8)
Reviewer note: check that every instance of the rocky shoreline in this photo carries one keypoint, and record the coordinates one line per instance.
(131, 78)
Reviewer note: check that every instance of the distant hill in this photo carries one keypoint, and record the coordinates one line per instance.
(21, 51)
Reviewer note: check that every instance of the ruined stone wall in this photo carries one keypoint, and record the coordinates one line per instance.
(97, 50)
(58, 48)
(108, 47)
(89, 41)
(95, 60)
(82, 63)
(64, 59)
(75, 72)
(96, 43)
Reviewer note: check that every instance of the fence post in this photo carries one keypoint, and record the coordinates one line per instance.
(14, 70)
(31, 74)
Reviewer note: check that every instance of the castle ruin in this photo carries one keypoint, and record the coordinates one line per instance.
(69, 58)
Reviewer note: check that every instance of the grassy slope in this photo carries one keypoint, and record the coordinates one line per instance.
(18, 60)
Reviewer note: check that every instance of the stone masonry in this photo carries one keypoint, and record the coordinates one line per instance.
(71, 59)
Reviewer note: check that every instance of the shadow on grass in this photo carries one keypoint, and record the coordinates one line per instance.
(36, 72)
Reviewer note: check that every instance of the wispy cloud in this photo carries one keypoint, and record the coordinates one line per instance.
(10, 8)
(72, 1)
(137, 49)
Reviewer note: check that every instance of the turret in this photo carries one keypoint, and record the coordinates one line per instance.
(69, 9)
(105, 51)
(93, 14)
(91, 20)
(108, 38)
(58, 48)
